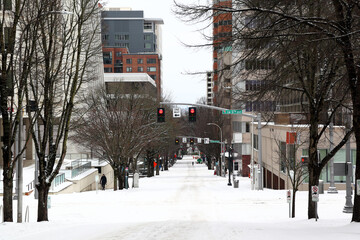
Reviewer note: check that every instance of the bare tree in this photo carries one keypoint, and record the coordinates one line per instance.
(295, 169)
(118, 127)
(67, 46)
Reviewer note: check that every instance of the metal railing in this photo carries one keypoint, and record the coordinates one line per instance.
(79, 166)
(30, 186)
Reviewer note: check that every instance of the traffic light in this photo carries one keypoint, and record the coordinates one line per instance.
(191, 141)
(304, 160)
(177, 141)
(192, 114)
(161, 114)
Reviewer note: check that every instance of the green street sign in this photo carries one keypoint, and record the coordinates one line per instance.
(214, 141)
(232, 111)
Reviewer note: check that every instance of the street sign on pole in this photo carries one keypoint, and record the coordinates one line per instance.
(184, 140)
(232, 111)
(176, 113)
(206, 140)
(214, 141)
(199, 140)
(315, 193)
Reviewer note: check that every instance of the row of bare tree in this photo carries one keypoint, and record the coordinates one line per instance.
(305, 49)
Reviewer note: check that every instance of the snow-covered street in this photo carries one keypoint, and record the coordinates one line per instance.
(186, 202)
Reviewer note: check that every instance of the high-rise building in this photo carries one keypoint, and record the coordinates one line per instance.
(132, 43)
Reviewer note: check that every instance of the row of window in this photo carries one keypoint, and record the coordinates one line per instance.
(130, 69)
(260, 106)
(222, 23)
(254, 85)
(222, 35)
(125, 37)
(140, 60)
(260, 64)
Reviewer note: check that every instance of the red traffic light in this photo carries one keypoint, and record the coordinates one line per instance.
(192, 114)
(161, 114)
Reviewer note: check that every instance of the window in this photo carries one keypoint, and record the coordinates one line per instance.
(140, 69)
(121, 37)
(108, 70)
(105, 36)
(118, 54)
(147, 45)
(151, 69)
(282, 156)
(147, 37)
(7, 4)
(129, 69)
(128, 61)
(118, 69)
(256, 141)
(236, 126)
(107, 57)
(151, 60)
(147, 26)
(140, 61)
(153, 77)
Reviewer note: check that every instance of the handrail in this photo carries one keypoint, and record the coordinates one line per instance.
(27, 214)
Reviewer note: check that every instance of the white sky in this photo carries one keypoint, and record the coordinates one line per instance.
(178, 60)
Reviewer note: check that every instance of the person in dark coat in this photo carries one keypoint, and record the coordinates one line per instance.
(103, 181)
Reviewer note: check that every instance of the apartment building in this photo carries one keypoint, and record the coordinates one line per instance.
(132, 44)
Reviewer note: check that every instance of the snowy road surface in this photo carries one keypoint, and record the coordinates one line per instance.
(186, 202)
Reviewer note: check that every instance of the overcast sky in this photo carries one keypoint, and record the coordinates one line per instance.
(178, 60)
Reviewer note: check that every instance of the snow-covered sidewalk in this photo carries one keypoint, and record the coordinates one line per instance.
(186, 202)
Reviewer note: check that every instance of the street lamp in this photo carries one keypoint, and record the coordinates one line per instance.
(221, 143)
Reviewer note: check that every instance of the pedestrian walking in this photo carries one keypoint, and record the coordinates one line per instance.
(103, 181)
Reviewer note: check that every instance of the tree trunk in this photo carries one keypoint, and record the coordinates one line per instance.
(166, 163)
(293, 204)
(116, 177)
(157, 167)
(121, 178)
(208, 161)
(7, 198)
(314, 175)
(43, 190)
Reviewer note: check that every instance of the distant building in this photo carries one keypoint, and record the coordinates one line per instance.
(132, 44)
(119, 60)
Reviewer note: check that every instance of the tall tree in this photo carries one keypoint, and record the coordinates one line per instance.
(67, 49)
